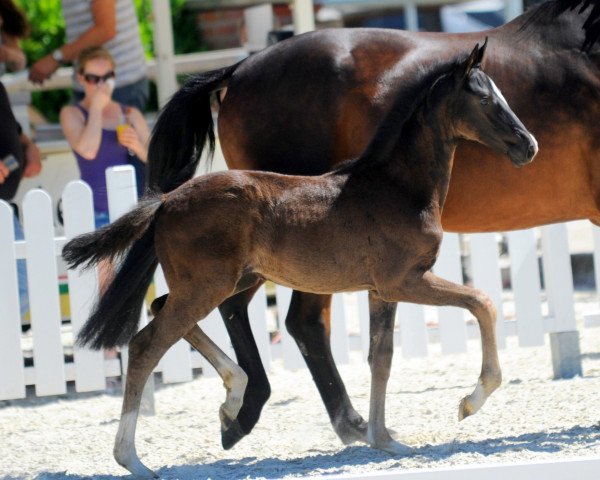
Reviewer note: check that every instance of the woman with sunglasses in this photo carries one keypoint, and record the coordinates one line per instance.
(90, 127)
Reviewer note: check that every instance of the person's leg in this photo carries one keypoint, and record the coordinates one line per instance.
(135, 94)
(21, 272)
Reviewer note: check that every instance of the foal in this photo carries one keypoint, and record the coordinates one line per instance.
(221, 233)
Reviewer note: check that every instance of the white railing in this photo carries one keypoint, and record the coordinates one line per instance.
(187, 63)
(88, 370)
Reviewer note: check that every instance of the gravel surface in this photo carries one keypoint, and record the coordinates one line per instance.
(530, 417)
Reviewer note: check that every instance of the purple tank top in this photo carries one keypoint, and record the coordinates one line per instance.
(111, 153)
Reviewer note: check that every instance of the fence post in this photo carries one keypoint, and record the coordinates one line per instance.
(339, 332)
(485, 265)
(591, 318)
(257, 310)
(453, 329)
(78, 213)
(558, 278)
(525, 279)
(12, 372)
(42, 279)
(122, 197)
(214, 327)
(292, 359)
(176, 363)
(413, 330)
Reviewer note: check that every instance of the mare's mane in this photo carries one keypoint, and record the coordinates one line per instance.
(548, 11)
(411, 96)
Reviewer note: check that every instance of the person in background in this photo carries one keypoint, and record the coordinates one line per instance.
(13, 26)
(112, 24)
(19, 156)
(101, 131)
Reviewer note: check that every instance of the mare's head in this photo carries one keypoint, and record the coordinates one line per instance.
(482, 114)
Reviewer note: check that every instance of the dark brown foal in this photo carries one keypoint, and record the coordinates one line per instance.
(220, 234)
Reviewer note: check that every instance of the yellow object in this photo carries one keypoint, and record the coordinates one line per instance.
(120, 129)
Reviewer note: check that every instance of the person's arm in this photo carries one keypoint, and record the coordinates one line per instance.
(136, 137)
(11, 53)
(103, 30)
(33, 157)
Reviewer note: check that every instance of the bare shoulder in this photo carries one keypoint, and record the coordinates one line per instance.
(71, 114)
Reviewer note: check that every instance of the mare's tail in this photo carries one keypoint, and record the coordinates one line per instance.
(182, 129)
(114, 320)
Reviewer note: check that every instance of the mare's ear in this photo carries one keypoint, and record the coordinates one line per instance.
(465, 68)
(480, 54)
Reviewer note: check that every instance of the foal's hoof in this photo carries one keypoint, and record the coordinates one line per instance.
(466, 408)
(231, 434)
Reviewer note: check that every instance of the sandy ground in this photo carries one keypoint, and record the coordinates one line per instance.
(529, 417)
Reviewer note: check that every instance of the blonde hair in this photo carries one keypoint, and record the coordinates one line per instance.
(92, 53)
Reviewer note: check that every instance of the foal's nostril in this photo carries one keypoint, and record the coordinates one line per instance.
(531, 152)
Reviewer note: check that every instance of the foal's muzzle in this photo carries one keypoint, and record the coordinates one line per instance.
(522, 152)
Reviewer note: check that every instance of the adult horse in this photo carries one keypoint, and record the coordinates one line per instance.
(310, 102)
(225, 232)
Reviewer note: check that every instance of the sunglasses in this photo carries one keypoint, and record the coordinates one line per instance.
(93, 79)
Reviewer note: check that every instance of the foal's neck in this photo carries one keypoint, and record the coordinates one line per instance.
(422, 159)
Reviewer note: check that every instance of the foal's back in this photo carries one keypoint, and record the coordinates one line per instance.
(321, 233)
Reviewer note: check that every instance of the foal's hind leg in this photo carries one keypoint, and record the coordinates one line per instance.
(234, 378)
(433, 290)
(146, 348)
(308, 321)
(234, 311)
(381, 349)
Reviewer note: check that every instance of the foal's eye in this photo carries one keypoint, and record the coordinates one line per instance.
(485, 100)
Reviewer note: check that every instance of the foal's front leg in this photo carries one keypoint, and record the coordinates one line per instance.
(432, 290)
(381, 350)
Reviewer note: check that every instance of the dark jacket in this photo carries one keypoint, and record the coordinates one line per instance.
(10, 131)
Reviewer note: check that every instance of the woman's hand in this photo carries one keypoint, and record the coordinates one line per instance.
(101, 97)
(129, 138)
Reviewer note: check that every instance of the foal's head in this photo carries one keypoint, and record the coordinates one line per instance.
(482, 114)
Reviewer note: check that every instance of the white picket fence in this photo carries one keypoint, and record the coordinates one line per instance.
(89, 369)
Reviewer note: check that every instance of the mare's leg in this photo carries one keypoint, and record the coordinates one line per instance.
(234, 311)
(381, 349)
(432, 290)
(308, 321)
(234, 378)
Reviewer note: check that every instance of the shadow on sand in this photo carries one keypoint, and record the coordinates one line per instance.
(356, 456)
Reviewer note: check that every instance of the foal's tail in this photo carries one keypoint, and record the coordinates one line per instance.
(114, 320)
(182, 129)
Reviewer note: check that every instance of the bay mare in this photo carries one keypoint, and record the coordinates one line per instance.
(373, 223)
(310, 102)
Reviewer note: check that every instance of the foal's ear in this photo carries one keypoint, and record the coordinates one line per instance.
(469, 64)
(480, 54)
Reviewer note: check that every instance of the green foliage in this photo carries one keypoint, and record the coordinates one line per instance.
(185, 33)
(47, 27)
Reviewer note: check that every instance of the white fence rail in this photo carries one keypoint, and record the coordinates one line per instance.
(50, 371)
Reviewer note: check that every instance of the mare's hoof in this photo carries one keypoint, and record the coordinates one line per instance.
(352, 432)
(394, 448)
(231, 434)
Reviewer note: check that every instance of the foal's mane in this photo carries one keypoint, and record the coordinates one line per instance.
(411, 96)
(548, 11)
